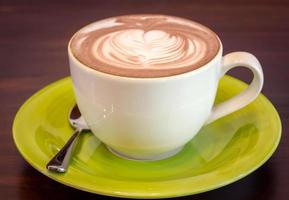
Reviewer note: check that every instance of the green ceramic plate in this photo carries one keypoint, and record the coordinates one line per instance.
(221, 153)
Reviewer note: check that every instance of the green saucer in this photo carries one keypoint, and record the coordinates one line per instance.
(221, 153)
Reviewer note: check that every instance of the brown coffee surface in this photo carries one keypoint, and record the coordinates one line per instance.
(145, 46)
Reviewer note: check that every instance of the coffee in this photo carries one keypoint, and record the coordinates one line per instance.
(145, 46)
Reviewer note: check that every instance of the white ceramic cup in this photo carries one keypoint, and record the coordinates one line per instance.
(153, 118)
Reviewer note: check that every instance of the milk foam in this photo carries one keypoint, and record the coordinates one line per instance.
(145, 45)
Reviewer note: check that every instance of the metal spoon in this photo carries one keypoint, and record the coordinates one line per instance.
(60, 162)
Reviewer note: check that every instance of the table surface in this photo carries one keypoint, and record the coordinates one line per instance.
(33, 39)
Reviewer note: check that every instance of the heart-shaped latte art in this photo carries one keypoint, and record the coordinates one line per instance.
(135, 48)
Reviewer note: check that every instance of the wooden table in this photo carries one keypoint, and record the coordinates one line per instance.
(33, 39)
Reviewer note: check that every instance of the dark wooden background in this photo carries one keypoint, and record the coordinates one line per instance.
(33, 39)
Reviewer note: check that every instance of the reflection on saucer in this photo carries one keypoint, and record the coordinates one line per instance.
(86, 146)
(210, 143)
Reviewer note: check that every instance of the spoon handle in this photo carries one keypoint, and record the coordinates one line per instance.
(60, 161)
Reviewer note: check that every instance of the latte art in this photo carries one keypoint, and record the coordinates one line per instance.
(144, 46)
(134, 48)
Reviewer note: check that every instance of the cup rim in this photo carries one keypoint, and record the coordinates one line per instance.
(113, 76)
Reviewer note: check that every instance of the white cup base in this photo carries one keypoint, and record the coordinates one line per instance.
(154, 158)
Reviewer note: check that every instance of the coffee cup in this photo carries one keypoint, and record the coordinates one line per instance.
(154, 82)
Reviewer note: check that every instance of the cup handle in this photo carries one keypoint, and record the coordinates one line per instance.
(230, 61)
